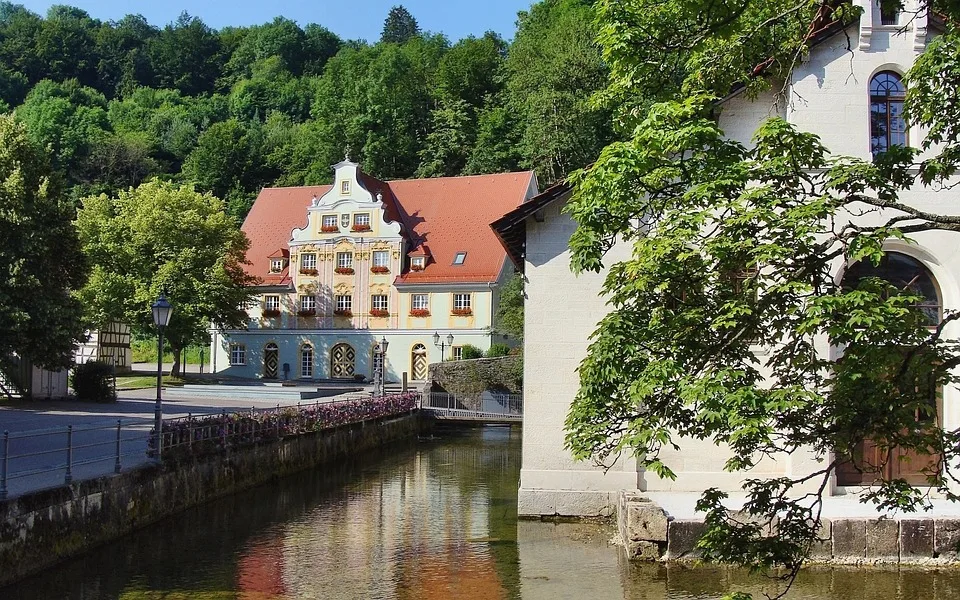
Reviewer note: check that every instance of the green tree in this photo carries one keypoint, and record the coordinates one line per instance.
(447, 146)
(123, 62)
(399, 26)
(735, 246)
(160, 237)
(554, 65)
(40, 258)
(65, 45)
(510, 309)
(497, 146)
(186, 55)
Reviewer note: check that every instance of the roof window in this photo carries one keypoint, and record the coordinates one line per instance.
(459, 258)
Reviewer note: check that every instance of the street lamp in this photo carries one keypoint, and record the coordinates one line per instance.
(437, 342)
(380, 370)
(161, 318)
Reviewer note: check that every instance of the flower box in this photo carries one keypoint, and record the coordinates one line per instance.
(312, 312)
(343, 313)
(416, 267)
(329, 229)
(312, 272)
(419, 312)
(379, 269)
(270, 313)
(378, 312)
(343, 270)
(360, 228)
(461, 312)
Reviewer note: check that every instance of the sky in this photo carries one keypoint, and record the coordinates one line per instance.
(349, 19)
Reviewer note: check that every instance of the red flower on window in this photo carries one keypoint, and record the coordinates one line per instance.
(310, 312)
(462, 312)
(271, 312)
(343, 313)
(329, 229)
(343, 270)
(360, 228)
(379, 270)
(419, 312)
(312, 272)
(416, 267)
(379, 312)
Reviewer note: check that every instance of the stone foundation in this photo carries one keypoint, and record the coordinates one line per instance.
(648, 534)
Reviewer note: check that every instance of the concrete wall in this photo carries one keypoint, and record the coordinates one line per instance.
(40, 529)
(561, 311)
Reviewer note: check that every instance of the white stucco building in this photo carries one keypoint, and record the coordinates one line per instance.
(840, 93)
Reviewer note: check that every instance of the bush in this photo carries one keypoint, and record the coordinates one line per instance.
(468, 351)
(94, 381)
(497, 350)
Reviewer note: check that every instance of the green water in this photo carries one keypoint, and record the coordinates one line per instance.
(435, 519)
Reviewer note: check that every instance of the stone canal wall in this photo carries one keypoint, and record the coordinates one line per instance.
(43, 528)
(649, 534)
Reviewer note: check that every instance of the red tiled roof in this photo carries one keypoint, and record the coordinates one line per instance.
(447, 214)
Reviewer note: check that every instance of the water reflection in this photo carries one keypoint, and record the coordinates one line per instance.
(435, 519)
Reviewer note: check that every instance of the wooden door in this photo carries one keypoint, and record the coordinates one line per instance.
(271, 360)
(342, 361)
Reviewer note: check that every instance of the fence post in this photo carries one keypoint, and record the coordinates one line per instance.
(69, 476)
(190, 431)
(223, 428)
(3, 465)
(116, 465)
(278, 421)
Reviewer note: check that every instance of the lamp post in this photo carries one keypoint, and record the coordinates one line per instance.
(437, 341)
(383, 363)
(161, 317)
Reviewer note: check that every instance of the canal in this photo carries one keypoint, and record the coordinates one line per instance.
(430, 520)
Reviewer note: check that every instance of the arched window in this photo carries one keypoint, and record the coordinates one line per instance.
(306, 361)
(887, 127)
(904, 273)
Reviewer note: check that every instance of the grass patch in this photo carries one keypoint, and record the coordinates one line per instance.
(139, 382)
(145, 351)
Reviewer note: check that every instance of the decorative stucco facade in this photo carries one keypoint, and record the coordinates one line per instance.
(830, 94)
(343, 266)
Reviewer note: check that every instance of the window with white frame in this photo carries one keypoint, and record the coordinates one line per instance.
(461, 301)
(308, 260)
(329, 221)
(361, 219)
(417, 262)
(238, 354)
(378, 302)
(344, 302)
(381, 258)
(306, 361)
(276, 265)
(420, 302)
(457, 352)
(271, 302)
(344, 260)
(344, 187)
(308, 303)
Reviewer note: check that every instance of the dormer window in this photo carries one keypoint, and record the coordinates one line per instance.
(344, 187)
(417, 263)
(459, 258)
(276, 265)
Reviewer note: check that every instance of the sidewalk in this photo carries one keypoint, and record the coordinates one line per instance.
(95, 428)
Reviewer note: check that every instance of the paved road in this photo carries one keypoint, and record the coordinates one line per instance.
(38, 428)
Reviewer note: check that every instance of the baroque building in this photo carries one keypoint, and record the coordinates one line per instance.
(343, 266)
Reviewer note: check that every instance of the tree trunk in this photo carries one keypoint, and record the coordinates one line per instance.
(175, 369)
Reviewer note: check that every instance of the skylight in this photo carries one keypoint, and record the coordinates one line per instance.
(459, 258)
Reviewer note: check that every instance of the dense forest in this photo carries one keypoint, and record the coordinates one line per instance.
(116, 103)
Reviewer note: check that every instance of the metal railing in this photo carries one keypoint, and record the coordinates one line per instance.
(46, 458)
(64, 450)
(485, 406)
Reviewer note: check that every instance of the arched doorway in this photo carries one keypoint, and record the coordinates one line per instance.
(342, 361)
(418, 362)
(271, 361)
(870, 461)
(306, 361)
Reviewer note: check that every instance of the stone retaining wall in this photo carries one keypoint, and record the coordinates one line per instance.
(40, 529)
(648, 534)
(468, 379)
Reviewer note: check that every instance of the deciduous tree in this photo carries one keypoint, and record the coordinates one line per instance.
(163, 238)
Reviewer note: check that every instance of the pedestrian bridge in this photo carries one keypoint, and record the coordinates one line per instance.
(488, 407)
